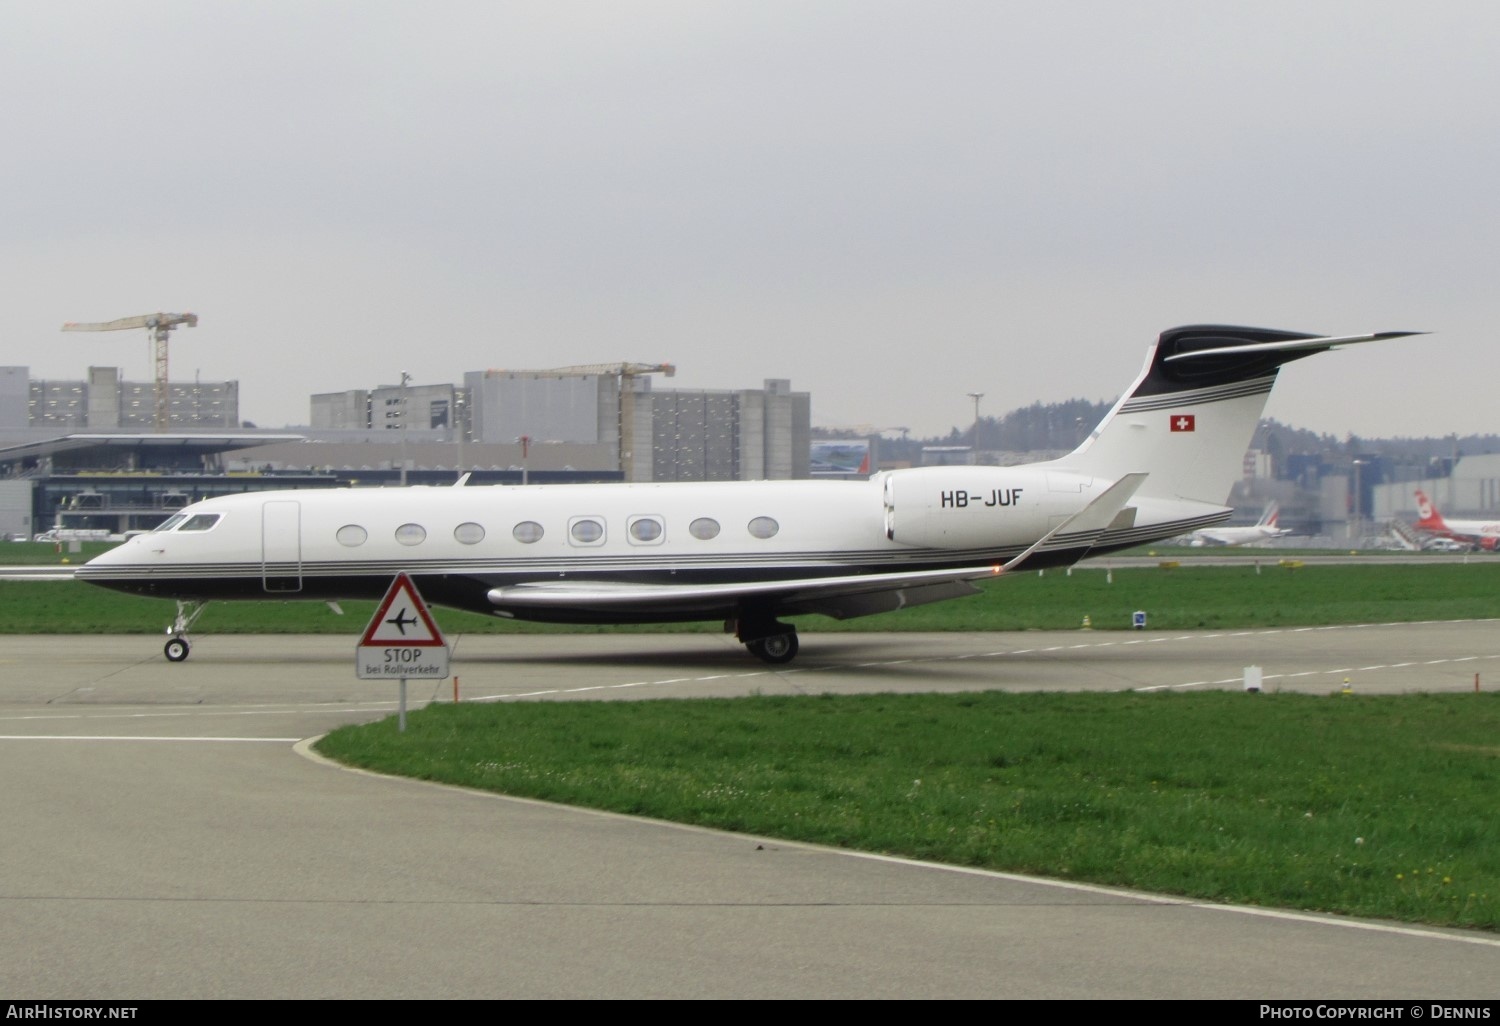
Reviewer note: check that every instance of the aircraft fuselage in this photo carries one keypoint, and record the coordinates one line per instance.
(460, 543)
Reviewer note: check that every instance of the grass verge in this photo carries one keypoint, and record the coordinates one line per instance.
(1380, 806)
(1180, 598)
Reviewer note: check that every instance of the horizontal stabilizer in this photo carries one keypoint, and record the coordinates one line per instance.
(1291, 345)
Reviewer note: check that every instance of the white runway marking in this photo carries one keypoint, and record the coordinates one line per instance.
(195, 711)
(142, 737)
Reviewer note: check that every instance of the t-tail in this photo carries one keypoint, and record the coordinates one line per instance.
(1188, 419)
(1428, 517)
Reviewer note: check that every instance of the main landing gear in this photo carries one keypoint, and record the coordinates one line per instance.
(177, 646)
(770, 641)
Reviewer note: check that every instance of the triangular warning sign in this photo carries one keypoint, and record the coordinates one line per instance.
(402, 619)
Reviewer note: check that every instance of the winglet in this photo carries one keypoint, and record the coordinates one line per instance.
(1088, 523)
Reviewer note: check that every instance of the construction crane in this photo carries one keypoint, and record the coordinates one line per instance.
(619, 370)
(160, 325)
(865, 429)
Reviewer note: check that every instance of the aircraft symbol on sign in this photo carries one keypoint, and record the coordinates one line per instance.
(401, 621)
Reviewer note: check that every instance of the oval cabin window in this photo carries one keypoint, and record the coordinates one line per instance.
(411, 534)
(763, 527)
(352, 535)
(468, 534)
(586, 531)
(645, 530)
(704, 528)
(527, 531)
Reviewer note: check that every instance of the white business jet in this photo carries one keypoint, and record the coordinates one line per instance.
(1160, 464)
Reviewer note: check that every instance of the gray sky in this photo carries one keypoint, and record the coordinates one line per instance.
(889, 203)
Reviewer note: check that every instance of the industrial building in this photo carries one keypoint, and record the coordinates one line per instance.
(103, 401)
(608, 414)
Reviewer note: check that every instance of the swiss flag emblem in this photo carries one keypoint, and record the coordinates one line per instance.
(1184, 422)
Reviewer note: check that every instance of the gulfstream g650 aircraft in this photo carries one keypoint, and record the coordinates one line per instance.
(1160, 464)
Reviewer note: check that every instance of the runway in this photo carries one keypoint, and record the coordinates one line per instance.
(168, 836)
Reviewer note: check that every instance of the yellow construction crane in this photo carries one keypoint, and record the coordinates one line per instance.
(623, 370)
(160, 325)
(864, 429)
(619, 370)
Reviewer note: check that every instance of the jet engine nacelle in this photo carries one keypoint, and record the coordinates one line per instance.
(978, 507)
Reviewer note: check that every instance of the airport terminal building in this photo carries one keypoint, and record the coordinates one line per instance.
(87, 455)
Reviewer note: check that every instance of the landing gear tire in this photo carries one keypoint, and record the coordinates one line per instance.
(775, 649)
(177, 646)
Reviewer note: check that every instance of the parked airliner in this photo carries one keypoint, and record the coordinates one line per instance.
(1476, 534)
(1263, 529)
(1160, 464)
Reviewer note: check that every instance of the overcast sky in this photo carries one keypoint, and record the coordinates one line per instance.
(889, 203)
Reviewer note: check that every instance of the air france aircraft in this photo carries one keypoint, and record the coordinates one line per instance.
(1160, 463)
(1262, 530)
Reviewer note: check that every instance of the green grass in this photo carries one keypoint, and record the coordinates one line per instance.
(1380, 806)
(1185, 597)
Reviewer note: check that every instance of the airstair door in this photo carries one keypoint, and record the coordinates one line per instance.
(281, 546)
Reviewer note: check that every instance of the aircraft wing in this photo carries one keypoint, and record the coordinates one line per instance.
(841, 596)
(853, 594)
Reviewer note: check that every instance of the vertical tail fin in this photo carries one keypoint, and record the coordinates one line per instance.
(1428, 516)
(1188, 419)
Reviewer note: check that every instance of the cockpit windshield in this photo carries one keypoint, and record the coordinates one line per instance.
(185, 522)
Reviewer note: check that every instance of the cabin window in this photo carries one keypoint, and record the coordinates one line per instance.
(171, 522)
(411, 534)
(586, 530)
(645, 530)
(527, 531)
(763, 527)
(200, 522)
(351, 535)
(468, 534)
(704, 528)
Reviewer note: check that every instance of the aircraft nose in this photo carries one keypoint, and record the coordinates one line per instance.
(121, 553)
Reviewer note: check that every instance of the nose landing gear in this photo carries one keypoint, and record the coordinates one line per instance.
(177, 647)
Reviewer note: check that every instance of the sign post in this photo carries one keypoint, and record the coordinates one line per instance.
(401, 642)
